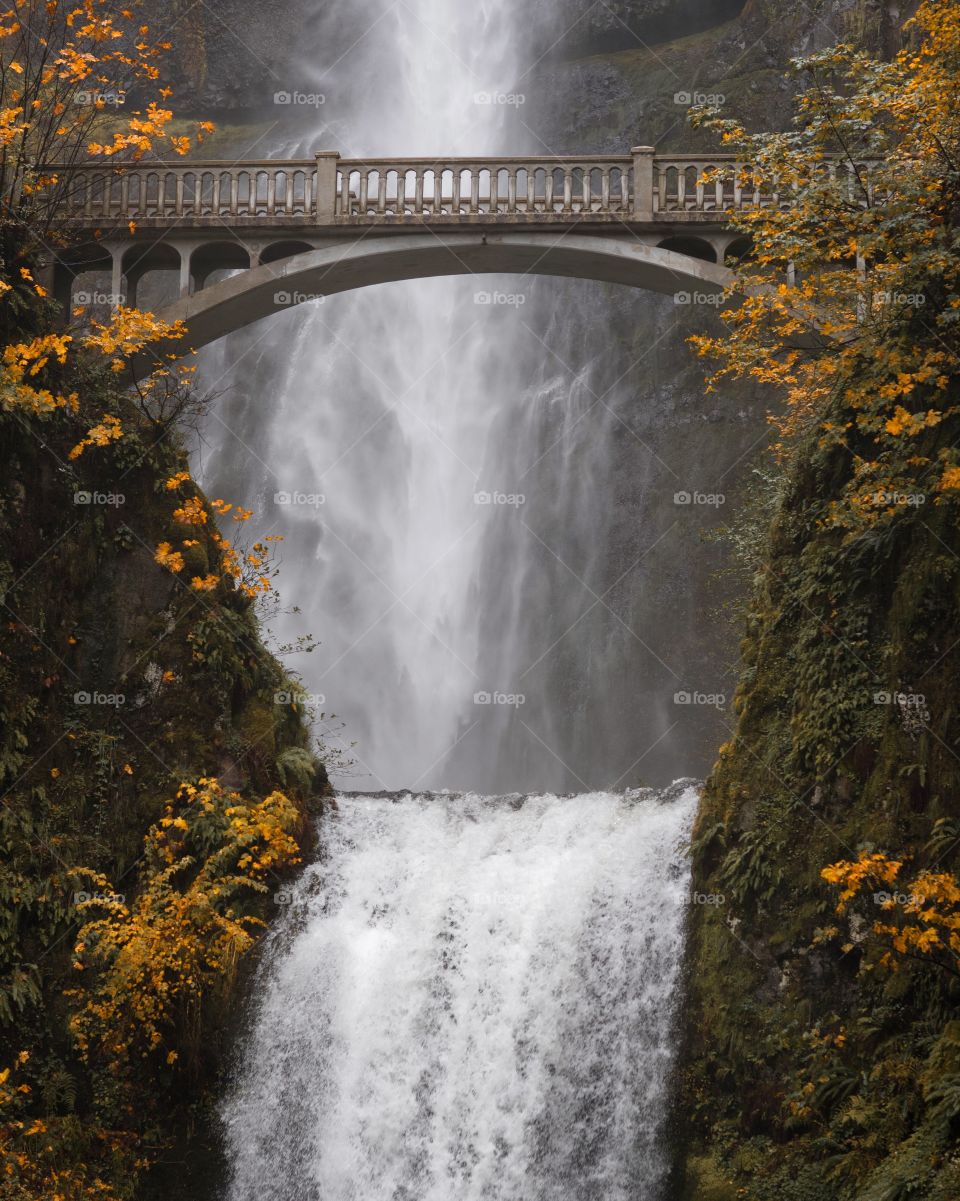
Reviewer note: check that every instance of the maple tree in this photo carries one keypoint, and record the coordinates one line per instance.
(79, 80)
(849, 302)
(919, 918)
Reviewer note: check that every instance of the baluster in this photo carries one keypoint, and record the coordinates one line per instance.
(382, 193)
(494, 190)
(681, 188)
(234, 193)
(437, 190)
(162, 194)
(737, 185)
(605, 190)
(198, 183)
(531, 189)
(364, 191)
(567, 190)
(718, 193)
(548, 190)
(346, 204)
(699, 191)
(271, 193)
(289, 202)
(475, 189)
(125, 196)
(512, 190)
(456, 182)
(585, 200)
(418, 193)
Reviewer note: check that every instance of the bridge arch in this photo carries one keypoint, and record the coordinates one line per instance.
(283, 250)
(697, 248)
(314, 274)
(225, 255)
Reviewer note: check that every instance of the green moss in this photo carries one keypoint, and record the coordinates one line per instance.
(815, 771)
(88, 612)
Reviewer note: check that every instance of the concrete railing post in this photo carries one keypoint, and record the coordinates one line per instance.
(643, 182)
(327, 164)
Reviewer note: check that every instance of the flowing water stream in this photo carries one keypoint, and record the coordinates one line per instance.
(468, 997)
(472, 998)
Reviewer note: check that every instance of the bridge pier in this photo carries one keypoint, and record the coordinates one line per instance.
(643, 164)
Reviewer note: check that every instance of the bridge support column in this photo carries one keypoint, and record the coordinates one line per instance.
(643, 182)
(185, 282)
(327, 163)
(117, 298)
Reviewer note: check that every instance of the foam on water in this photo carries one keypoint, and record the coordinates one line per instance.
(469, 997)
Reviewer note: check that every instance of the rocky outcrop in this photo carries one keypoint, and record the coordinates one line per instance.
(638, 89)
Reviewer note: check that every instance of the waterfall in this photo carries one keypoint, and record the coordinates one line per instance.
(469, 997)
(395, 410)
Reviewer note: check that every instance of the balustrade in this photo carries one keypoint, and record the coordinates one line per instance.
(330, 190)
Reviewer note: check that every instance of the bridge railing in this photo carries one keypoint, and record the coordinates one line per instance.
(531, 187)
(177, 191)
(329, 190)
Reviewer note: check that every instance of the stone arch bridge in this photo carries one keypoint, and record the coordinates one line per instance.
(288, 231)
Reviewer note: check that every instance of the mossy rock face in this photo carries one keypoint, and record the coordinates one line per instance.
(257, 723)
(85, 779)
(817, 770)
(707, 1182)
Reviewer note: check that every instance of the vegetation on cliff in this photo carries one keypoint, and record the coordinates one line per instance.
(823, 1056)
(155, 769)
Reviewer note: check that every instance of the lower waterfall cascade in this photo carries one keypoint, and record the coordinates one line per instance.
(469, 997)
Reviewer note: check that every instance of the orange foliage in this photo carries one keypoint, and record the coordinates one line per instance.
(849, 305)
